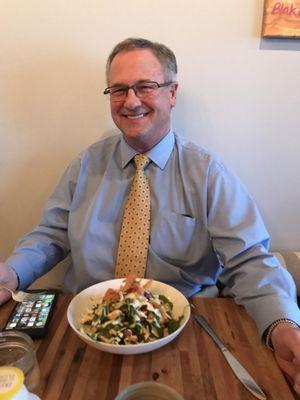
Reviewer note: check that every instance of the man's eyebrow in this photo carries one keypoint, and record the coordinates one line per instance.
(136, 83)
(117, 84)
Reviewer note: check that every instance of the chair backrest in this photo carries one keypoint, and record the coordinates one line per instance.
(291, 261)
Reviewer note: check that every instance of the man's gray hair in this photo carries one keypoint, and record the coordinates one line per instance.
(165, 56)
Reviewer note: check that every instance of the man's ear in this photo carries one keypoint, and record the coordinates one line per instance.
(173, 93)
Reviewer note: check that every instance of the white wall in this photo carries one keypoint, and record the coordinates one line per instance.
(239, 96)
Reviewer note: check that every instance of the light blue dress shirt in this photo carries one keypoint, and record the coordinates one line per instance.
(204, 227)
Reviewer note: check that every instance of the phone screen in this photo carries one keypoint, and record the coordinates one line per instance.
(32, 317)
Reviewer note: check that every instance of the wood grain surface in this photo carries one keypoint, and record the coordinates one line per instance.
(191, 364)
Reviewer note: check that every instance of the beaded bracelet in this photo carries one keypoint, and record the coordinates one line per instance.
(271, 328)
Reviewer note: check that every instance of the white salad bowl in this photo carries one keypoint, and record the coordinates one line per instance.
(83, 301)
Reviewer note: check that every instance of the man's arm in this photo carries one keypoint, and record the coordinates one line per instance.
(250, 273)
(46, 245)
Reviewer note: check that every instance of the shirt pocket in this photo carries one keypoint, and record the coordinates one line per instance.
(174, 236)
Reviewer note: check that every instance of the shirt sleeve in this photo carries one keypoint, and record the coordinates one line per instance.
(47, 244)
(250, 273)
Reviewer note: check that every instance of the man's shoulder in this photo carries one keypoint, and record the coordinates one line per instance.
(105, 143)
(97, 152)
(101, 148)
(197, 155)
(192, 148)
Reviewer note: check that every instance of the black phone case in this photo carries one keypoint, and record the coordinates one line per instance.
(35, 332)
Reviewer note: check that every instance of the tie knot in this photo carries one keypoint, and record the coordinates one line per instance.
(141, 161)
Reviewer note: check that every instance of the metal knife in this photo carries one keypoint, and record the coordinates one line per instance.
(240, 372)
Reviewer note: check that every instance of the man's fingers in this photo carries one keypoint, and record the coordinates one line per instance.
(8, 276)
(296, 360)
(287, 367)
(4, 296)
(292, 373)
(296, 387)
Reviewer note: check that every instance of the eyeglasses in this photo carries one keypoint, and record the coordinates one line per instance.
(141, 89)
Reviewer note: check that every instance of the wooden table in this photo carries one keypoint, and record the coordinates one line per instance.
(191, 364)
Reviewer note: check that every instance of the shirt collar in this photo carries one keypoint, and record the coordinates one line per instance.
(159, 154)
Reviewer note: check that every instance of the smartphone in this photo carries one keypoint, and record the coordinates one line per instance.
(33, 317)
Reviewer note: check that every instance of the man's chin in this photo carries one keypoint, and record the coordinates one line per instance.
(135, 135)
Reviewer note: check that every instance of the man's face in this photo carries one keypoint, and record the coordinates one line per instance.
(144, 122)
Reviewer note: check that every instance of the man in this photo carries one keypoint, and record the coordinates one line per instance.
(204, 225)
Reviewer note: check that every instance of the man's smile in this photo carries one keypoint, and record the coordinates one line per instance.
(136, 116)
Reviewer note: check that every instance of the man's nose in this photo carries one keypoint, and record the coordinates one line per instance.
(131, 100)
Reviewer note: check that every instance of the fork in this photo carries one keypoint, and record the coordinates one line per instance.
(20, 296)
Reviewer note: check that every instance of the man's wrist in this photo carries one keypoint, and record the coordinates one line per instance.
(274, 325)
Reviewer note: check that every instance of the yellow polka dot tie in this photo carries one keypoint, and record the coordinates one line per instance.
(134, 237)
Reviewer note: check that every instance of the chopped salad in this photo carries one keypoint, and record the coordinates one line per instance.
(131, 314)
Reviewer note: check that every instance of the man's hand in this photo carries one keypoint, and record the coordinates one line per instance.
(286, 342)
(8, 278)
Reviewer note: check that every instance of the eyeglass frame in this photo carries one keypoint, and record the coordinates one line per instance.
(133, 87)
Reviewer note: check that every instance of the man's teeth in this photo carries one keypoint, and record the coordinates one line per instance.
(135, 116)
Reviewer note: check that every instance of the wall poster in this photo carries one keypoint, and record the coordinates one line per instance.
(281, 19)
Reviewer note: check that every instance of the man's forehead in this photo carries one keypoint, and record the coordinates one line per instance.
(138, 64)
